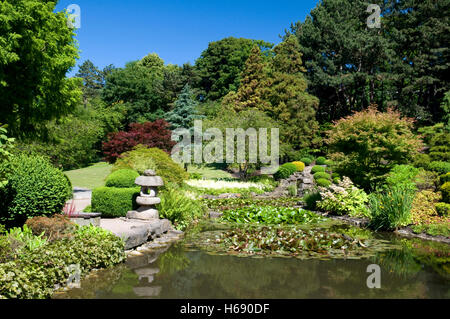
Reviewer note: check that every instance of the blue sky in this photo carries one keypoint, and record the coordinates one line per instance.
(116, 32)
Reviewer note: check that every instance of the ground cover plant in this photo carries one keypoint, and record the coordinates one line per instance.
(271, 215)
(39, 265)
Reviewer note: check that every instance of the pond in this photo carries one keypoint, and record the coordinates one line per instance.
(410, 268)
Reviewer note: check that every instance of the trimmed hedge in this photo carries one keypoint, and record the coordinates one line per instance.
(300, 166)
(114, 202)
(306, 160)
(323, 182)
(321, 160)
(35, 188)
(317, 169)
(444, 178)
(123, 178)
(285, 171)
(320, 175)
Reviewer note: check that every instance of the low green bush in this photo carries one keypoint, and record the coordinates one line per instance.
(285, 171)
(445, 190)
(336, 180)
(443, 209)
(34, 274)
(335, 175)
(404, 175)
(390, 208)
(53, 228)
(311, 198)
(320, 175)
(122, 178)
(323, 182)
(180, 209)
(317, 169)
(440, 167)
(321, 160)
(306, 160)
(35, 188)
(437, 229)
(114, 202)
(344, 199)
(142, 158)
(444, 178)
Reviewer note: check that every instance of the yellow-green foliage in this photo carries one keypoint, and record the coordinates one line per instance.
(423, 208)
(445, 190)
(300, 166)
(141, 158)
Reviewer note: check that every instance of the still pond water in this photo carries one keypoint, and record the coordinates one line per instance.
(412, 268)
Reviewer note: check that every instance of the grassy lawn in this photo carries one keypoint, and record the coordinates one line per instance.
(209, 172)
(90, 177)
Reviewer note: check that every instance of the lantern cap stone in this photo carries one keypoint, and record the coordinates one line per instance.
(149, 172)
(149, 181)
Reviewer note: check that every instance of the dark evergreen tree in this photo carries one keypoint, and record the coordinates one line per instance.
(184, 112)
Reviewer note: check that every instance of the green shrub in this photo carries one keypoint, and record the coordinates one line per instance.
(440, 167)
(122, 178)
(320, 175)
(426, 180)
(6, 146)
(323, 182)
(35, 188)
(443, 209)
(300, 166)
(404, 175)
(285, 171)
(329, 163)
(422, 160)
(142, 158)
(390, 208)
(306, 160)
(321, 160)
(366, 145)
(180, 209)
(344, 199)
(335, 175)
(423, 209)
(445, 190)
(311, 198)
(195, 176)
(317, 169)
(438, 138)
(35, 274)
(336, 180)
(114, 202)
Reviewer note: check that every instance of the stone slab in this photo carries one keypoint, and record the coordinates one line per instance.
(136, 232)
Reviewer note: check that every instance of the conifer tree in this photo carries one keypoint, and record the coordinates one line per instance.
(184, 112)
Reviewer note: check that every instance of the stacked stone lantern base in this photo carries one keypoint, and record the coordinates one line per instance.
(147, 199)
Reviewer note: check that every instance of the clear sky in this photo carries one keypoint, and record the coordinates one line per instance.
(119, 31)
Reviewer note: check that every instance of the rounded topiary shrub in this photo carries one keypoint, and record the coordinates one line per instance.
(321, 160)
(285, 171)
(122, 178)
(141, 157)
(445, 190)
(317, 169)
(114, 202)
(323, 182)
(443, 209)
(320, 175)
(335, 175)
(300, 166)
(306, 160)
(35, 188)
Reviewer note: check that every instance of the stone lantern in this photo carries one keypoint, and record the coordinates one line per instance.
(147, 200)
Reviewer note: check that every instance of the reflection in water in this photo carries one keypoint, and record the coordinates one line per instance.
(419, 269)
